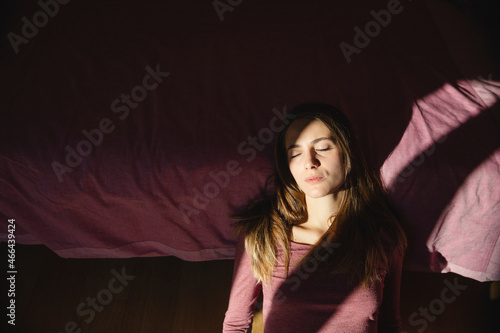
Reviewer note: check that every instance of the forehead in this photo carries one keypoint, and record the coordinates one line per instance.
(305, 130)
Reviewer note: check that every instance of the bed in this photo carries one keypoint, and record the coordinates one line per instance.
(135, 128)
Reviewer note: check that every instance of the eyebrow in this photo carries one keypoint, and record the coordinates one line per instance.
(313, 142)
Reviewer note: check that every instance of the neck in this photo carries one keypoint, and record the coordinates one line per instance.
(319, 210)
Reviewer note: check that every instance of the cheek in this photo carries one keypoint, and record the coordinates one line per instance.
(295, 174)
(293, 171)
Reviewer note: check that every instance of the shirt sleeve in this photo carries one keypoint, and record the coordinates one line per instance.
(244, 293)
(389, 319)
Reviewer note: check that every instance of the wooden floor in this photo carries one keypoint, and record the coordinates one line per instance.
(167, 294)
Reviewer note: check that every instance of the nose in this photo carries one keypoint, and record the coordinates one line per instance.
(311, 162)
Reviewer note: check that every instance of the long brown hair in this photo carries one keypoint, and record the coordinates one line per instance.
(364, 225)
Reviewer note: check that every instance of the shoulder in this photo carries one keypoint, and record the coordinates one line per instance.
(394, 248)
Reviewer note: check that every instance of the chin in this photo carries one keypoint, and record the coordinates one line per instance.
(317, 195)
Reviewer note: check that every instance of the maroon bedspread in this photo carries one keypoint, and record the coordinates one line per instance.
(134, 128)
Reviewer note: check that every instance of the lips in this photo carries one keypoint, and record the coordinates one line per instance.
(313, 179)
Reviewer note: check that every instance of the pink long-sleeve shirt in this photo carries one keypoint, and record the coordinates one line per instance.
(311, 300)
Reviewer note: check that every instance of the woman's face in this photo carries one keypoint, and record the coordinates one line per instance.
(315, 161)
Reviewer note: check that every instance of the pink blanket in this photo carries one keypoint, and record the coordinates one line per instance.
(135, 128)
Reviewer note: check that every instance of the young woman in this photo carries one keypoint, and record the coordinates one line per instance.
(325, 249)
